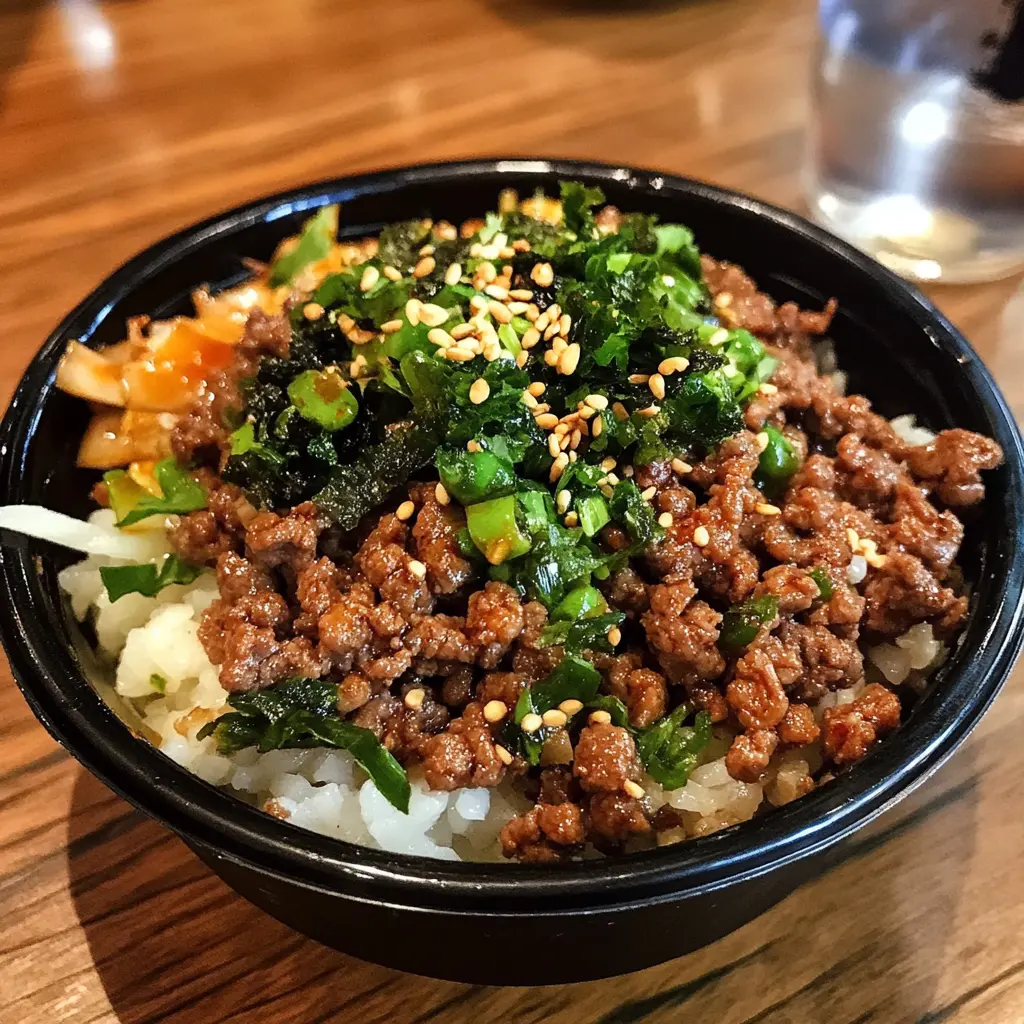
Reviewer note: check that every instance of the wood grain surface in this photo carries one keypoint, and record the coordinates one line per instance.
(125, 120)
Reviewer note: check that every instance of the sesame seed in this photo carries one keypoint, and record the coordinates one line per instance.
(459, 354)
(391, 326)
(521, 359)
(720, 337)
(489, 252)
(551, 332)
(598, 427)
(650, 412)
(474, 446)
(554, 312)
(598, 402)
(495, 711)
(600, 718)
(541, 323)
(499, 312)
(424, 267)
(433, 315)
(569, 360)
(572, 518)
(537, 388)
(546, 420)
(392, 273)
(530, 337)
(563, 499)
(474, 250)
(639, 378)
(649, 493)
(528, 400)
(503, 755)
(555, 718)
(531, 723)
(615, 636)
(405, 510)
(414, 698)
(606, 490)
(371, 275)
(496, 291)
(439, 336)
(542, 275)
(681, 467)
(723, 299)
(633, 789)
(518, 308)
(478, 304)
(460, 331)
(532, 313)
(577, 436)
(619, 411)
(312, 311)
(762, 440)
(665, 520)
(553, 445)
(418, 569)
(657, 385)
(608, 464)
(876, 561)
(853, 537)
(768, 389)
(628, 472)
(674, 364)
(412, 311)
(521, 294)
(441, 495)
(479, 391)
(558, 466)
(543, 407)
(345, 322)
(701, 537)
(564, 324)
(427, 250)
(764, 509)
(571, 706)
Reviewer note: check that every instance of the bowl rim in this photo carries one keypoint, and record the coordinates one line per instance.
(221, 823)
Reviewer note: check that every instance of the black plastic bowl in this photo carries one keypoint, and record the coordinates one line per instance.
(508, 923)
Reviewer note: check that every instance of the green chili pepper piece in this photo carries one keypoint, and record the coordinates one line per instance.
(580, 603)
(778, 461)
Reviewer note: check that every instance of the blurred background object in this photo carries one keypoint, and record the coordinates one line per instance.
(916, 148)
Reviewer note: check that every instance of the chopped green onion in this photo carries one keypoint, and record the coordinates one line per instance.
(742, 622)
(580, 603)
(593, 513)
(123, 493)
(495, 531)
(324, 397)
(180, 493)
(824, 582)
(470, 477)
(669, 749)
(146, 579)
(314, 244)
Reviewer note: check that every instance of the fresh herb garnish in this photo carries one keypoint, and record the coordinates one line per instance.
(147, 579)
(669, 749)
(742, 622)
(314, 244)
(180, 493)
(824, 582)
(303, 713)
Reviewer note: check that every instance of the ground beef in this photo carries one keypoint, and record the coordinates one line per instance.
(434, 539)
(605, 758)
(543, 833)
(493, 621)
(615, 817)
(850, 730)
(748, 757)
(952, 463)
(903, 592)
(684, 632)
(463, 755)
(272, 540)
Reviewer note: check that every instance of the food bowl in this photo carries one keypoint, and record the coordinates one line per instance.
(509, 923)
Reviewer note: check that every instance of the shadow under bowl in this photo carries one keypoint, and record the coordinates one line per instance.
(508, 923)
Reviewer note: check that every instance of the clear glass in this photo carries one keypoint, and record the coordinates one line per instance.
(916, 144)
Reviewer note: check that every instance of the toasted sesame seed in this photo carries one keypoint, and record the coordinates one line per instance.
(531, 723)
(649, 493)
(551, 332)
(528, 400)
(543, 407)
(674, 364)
(546, 420)
(453, 274)
(439, 336)
(619, 411)
(460, 331)
(424, 267)
(412, 311)
(345, 322)
(537, 388)
(405, 510)
(650, 412)
(555, 718)
(489, 252)
(499, 312)
(391, 326)
(639, 378)
(571, 706)
(371, 275)
(496, 291)
(614, 636)
(768, 389)
(414, 698)
(479, 391)
(475, 250)
(521, 245)
(427, 250)
(478, 304)
(665, 520)
(433, 315)
(764, 509)
(720, 337)
(627, 472)
(530, 337)
(517, 308)
(762, 440)
(723, 299)
(495, 711)
(445, 231)
(553, 440)
(853, 537)
(564, 324)
(521, 294)
(392, 273)
(503, 755)
(418, 569)
(598, 402)
(558, 466)
(569, 360)
(598, 427)
(633, 789)
(606, 490)
(312, 311)
(875, 560)
(441, 495)
(563, 499)
(459, 354)
(532, 313)
(701, 537)
(542, 275)
(521, 360)
(600, 718)
(608, 464)
(657, 385)
(571, 518)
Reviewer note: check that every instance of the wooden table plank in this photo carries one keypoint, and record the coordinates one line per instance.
(104, 917)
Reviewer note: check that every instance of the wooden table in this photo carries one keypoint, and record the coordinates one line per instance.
(123, 121)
